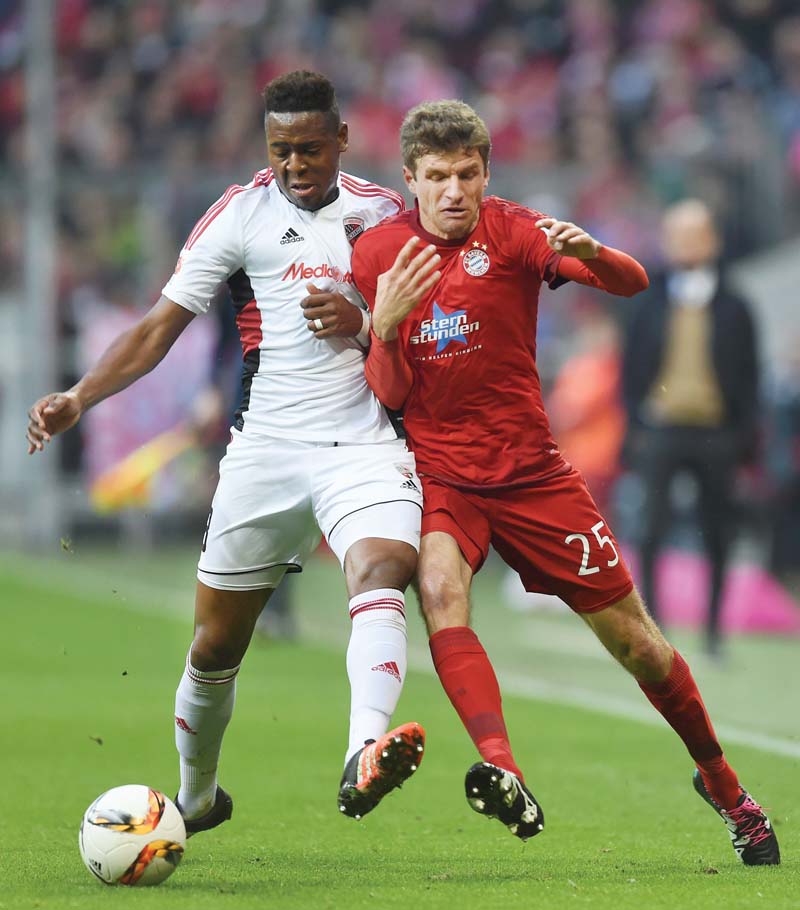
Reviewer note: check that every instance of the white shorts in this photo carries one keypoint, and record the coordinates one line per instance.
(274, 497)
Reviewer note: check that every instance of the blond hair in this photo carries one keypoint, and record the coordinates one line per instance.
(442, 126)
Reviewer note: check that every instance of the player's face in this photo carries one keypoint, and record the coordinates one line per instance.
(449, 188)
(303, 151)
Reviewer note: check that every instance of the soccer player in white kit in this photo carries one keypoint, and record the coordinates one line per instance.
(311, 448)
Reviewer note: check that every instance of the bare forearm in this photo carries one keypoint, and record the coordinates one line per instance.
(130, 356)
(133, 354)
(125, 361)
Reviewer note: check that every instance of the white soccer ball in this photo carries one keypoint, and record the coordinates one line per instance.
(132, 835)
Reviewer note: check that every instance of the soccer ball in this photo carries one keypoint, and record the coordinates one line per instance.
(132, 835)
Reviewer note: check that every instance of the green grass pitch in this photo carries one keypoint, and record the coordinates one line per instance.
(90, 654)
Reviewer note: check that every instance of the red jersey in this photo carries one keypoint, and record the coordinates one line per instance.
(474, 414)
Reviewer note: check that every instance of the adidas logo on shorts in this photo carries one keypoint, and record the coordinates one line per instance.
(291, 236)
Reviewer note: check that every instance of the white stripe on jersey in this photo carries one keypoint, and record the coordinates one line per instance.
(268, 250)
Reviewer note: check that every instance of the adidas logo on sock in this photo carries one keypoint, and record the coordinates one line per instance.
(389, 667)
(181, 724)
(291, 236)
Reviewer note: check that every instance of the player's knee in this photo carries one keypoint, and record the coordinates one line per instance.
(213, 651)
(443, 601)
(645, 655)
(389, 565)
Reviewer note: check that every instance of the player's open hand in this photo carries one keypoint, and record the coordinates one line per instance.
(330, 314)
(405, 284)
(51, 415)
(568, 239)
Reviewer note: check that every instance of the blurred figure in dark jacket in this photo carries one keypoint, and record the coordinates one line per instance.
(690, 382)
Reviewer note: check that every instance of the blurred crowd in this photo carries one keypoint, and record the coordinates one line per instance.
(639, 100)
(607, 110)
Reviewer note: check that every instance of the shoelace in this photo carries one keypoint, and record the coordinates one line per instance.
(530, 812)
(750, 821)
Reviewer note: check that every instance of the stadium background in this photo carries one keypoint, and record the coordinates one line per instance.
(121, 122)
(137, 116)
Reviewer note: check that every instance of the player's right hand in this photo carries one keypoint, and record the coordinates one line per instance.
(405, 284)
(51, 415)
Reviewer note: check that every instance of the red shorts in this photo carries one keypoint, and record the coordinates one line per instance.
(549, 532)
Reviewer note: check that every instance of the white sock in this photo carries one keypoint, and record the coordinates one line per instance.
(203, 707)
(376, 663)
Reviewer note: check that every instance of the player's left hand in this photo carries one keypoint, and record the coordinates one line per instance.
(568, 239)
(338, 317)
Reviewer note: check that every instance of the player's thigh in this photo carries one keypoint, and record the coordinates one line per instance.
(553, 535)
(363, 492)
(460, 515)
(630, 635)
(261, 522)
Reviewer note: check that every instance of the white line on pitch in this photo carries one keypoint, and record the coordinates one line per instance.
(525, 686)
(541, 690)
(90, 581)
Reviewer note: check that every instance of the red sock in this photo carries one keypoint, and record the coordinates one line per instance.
(468, 678)
(678, 699)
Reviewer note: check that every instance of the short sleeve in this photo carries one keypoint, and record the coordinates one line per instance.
(212, 253)
(390, 205)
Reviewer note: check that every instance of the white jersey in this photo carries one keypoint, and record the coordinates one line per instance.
(295, 386)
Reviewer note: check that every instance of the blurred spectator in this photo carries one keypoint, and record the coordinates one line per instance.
(691, 392)
(671, 88)
(614, 107)
(636, 104)
(586, 416)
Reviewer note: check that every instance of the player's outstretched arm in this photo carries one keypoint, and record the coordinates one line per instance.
(129, 357)
(401, 288)
(589, 262)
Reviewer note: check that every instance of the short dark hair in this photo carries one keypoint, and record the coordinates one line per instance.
(301, 91)
(442, 126)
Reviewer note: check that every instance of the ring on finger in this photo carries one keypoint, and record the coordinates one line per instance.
(319, 325)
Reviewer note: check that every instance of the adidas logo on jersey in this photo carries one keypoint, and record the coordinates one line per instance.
(291, 236)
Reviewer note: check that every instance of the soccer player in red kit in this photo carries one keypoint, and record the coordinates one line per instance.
(453, 286)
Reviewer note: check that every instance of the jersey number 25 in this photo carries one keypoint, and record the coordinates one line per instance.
(602, 540)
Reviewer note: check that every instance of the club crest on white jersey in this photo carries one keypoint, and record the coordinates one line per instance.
(354, 227)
